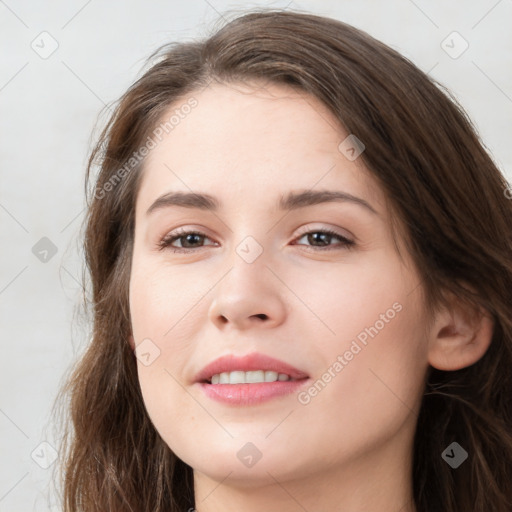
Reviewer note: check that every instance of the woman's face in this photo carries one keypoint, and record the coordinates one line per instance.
(261, 279)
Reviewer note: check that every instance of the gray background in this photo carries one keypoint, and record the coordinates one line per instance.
(49, 107)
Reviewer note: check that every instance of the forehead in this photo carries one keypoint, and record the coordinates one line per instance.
(251, 142)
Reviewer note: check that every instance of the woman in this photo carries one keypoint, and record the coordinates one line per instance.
(300, 255)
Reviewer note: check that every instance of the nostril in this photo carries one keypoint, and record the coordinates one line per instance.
(262, 316)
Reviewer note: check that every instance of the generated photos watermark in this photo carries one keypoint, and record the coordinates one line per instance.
(151, 143)
(360, 342)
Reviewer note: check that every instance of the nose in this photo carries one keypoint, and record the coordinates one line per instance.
(248, 296)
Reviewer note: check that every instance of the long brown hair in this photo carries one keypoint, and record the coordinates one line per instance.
(444, 189)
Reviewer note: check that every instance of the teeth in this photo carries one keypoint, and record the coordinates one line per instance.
(240, 377)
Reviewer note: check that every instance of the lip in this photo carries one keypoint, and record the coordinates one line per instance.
(249, 362)
(254, 393)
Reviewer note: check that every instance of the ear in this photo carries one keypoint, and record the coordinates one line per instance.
(460, 336)
(131, 341)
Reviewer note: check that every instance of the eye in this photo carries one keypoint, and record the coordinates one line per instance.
(189, 239)
(326, 236)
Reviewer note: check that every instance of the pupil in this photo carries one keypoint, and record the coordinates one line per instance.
(187, 238)
(319, 235)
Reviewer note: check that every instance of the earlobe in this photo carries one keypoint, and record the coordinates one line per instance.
(460, 337)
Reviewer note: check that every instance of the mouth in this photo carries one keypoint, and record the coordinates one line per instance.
(249, 380)
(248, 369)
(249, 377)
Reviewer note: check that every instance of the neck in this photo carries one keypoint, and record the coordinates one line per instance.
(380, 479)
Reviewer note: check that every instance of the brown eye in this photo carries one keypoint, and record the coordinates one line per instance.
(188, 241)
(326, 236)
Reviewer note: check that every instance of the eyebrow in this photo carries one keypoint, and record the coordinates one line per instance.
(292, 201)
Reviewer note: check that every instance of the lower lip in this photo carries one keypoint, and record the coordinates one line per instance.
(250, 394)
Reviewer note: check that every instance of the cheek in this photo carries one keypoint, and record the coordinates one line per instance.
(369, 339)
(341, 302)
(165, 304)
(162, 316)
(162, 298)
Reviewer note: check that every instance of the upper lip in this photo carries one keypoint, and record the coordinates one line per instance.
(254, 361)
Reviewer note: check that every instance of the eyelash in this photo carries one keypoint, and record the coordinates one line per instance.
(165, 243)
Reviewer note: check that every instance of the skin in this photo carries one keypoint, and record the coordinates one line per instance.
(350, 447)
